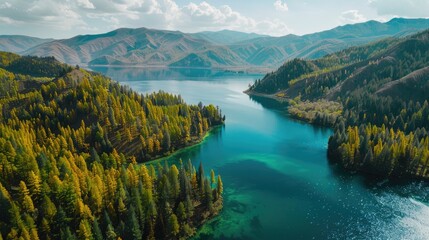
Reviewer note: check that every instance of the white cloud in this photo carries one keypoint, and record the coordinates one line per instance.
(203, 16)
(281, 6)
(352, 16)
(66, 17)
(85, 4)
(7, 20)
(403, 8)
(5, 5)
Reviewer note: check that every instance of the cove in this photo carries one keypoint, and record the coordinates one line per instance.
(277, 179)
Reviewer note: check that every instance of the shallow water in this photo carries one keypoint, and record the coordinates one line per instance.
(277, 180)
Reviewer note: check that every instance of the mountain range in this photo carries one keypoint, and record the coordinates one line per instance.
(223, 49)
(19, 43)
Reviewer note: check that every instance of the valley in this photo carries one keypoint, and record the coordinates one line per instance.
(214, 120)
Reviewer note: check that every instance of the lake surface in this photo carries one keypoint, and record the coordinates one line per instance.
(277, 179)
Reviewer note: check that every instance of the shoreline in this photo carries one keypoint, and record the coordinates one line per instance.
(284, 100)
(264, 95)
(233, 69)
(192, 145)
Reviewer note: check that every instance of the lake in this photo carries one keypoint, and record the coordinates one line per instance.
(277, 180)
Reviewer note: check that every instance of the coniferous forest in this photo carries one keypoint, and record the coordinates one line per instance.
(71, 147)
(381, 124)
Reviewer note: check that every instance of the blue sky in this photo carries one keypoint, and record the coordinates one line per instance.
(67, 18)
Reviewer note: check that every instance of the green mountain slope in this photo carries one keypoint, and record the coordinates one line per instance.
(376, 98)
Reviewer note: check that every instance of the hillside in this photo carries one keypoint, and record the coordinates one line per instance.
(70, 141)
(17, 43)
(136, 46)
(275, 50)
(384, 111)
(225, 37)
(216, 49)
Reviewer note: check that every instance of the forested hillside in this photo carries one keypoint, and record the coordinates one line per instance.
(382, 89)
(70, 143)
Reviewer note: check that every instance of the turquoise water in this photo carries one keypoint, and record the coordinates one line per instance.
(278, 182)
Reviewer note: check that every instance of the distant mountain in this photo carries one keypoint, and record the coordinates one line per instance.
(226, 37)
(271, 50)
(216, 49)
(18, 43)
(138, 46)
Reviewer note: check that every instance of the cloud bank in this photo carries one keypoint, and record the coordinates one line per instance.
(100, 15)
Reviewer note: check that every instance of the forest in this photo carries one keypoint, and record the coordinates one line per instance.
(72, 144)
(381, 126)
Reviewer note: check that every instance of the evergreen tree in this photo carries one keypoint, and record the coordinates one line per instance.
(212, 177)
(181, 212)
(96, 230)
(84, 230)
(110, 233)
(173, 225)
(133, 227)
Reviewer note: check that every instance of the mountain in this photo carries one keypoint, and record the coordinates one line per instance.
(399, 61)
(216, 49)
(271, 50)
(136, 46)
(18, 43)
(375, 97)
(226, 37)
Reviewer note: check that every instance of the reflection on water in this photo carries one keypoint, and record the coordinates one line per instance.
(277, 180)
(144, 74)
(269, 103)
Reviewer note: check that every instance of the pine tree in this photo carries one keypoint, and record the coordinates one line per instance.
(200, 178)
(84, 230)
(173, 225)
(208, 196)
(174, 181)
(219, 188)
(219, 185)
(181, 212)
(212, 177)
(110, 233)
(133, 227)
(166, 141)
(67, 234)
(27, 204)
(96, 230)
(35, 185)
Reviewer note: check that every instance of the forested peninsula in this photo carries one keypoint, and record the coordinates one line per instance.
(70, 146)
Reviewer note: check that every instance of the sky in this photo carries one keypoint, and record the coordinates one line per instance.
(68, 18)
